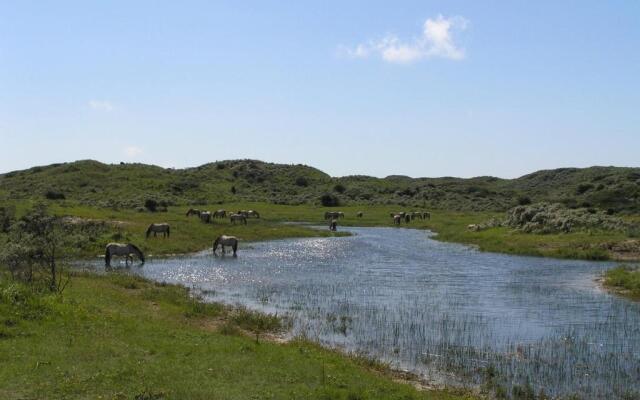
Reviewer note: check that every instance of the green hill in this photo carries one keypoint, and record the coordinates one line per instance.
(130, 185)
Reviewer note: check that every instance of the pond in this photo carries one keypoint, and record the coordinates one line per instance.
(445, 311)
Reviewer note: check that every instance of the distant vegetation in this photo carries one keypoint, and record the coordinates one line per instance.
(612, 189)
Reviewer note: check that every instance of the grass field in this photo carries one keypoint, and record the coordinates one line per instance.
(121, 337)
(189, 234)
(624, 280)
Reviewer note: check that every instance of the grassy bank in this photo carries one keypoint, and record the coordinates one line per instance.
(189, 234)
(122, 337)
(624, 280)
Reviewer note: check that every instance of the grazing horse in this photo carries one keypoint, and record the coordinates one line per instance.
(193, 211)
(205, 216)
(359, 214)
(333, 226)
(238, 218)
(226, 241)
(416, 214)
(397, 219)
(426, 215)
(159, 228)
(252, 213)
(219, 214)
(119, 249)
(333, 214)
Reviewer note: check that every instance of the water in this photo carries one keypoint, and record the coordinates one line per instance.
(442, 310)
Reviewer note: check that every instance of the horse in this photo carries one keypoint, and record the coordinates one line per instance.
(416, 214)
(225, 241)
(159, 228)
(426, 215)
(397, 219)
(407, 218)
(193, 211)
(245, 213)
(359, 214)
(238, 217)
(119, 249)
(219, 214)
(252, 213)
(333, 226)
(205, 216)
(333, 214)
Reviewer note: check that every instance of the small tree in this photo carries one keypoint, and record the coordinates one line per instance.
(39, 240)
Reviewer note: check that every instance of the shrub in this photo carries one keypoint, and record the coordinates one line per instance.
(53, 195)
(329, 200)
(524, 200)
(339, 188)
(302, 181)
(151, 205)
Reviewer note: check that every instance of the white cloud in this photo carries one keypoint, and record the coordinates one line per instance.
(132, 151)
(436, 41)
(101, 105)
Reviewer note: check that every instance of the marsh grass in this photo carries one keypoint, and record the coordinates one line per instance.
(99, 339)
(624, 280)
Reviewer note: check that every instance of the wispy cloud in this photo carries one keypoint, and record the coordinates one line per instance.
(101, 105)
(132, 151)
(436, 40)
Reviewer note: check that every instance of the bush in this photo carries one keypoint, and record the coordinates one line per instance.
(329, 200)
(339, 188)
(302, 181)
(524, 200)
(53, 195)
(151, 205)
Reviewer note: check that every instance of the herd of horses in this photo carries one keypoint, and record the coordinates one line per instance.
(240, 216)
(129, 250)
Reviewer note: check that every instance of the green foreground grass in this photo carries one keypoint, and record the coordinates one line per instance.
(118, 336)
(189, 234)
(624, 280)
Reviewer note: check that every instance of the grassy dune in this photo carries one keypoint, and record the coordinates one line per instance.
(122, 337)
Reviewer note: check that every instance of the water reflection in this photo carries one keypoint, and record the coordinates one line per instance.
(443, 310)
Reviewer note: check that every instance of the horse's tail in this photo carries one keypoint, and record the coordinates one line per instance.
(149, 230)
(235, 246)
(215, 245)
(107, 257)
(168, 231)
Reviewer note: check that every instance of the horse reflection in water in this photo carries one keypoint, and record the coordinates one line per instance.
(119, 249)
(226, 241)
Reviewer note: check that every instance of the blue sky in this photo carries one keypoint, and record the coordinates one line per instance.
(421, 88)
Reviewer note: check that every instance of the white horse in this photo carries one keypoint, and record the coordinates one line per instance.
(159, 228)
(119, 249)
(225, 240)
(397, 219)
(205, 216)
(220, 213)
(238, 218)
